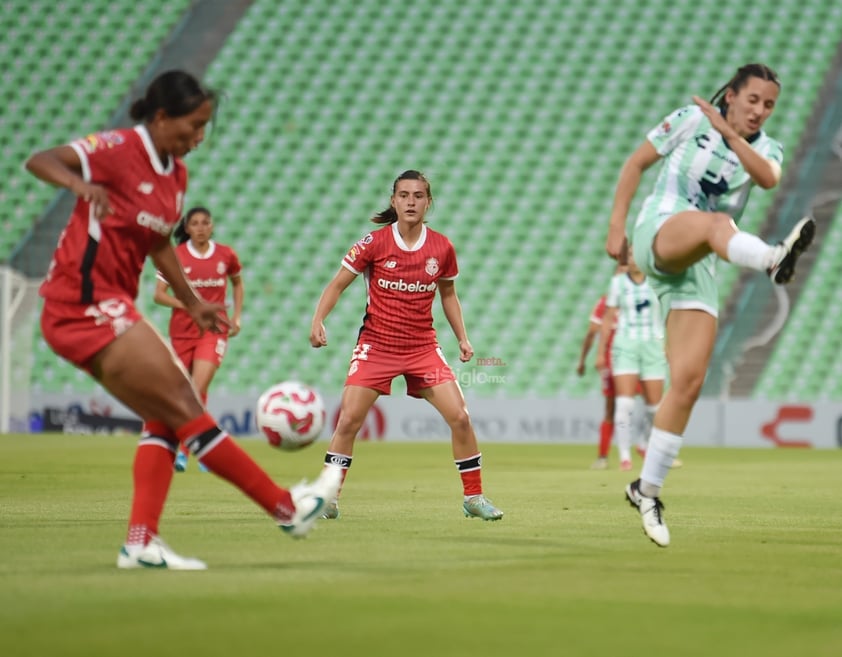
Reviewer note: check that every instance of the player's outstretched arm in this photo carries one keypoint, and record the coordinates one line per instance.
(60, 166)
(630, 176)
(453, 312)
(327, 302)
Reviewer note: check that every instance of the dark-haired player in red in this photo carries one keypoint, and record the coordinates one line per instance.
(208, 266)
(130, 186)
(606, 426)
(404, 264)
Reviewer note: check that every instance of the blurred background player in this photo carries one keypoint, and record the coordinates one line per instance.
(130, 185)
(403, 264)
(208, 266)
(714, 154)
(606, 426)
(634, 347)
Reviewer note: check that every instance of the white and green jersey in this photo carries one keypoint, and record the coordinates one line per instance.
(638, 309)
(700, 171)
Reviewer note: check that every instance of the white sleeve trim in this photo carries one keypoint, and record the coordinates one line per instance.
(83, 158)
(351, 269)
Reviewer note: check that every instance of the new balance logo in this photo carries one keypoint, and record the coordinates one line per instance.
(390, 264)
(145, 188)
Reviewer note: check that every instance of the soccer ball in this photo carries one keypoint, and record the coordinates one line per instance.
(291, 415)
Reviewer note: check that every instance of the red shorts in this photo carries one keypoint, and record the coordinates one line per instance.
(77, 332)
(210, 347)
(375, 369)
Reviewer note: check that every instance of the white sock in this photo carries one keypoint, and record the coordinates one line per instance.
(750, 251)
(663, 448)
(623, 411)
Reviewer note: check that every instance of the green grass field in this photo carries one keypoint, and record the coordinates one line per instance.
(755, 565)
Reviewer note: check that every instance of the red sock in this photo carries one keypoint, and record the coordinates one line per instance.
(152, 473)
(181, 446)
(606, 433)
(470, 469)
(218, 451)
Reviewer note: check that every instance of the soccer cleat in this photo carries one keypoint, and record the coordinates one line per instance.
(331, 510)
(625, 465)
(156, 554)
(203, 467)
(180, 462)
(790, 248)
(600, 464)
(651, 512)
(311, 499)
(479, 507)
(641, 451)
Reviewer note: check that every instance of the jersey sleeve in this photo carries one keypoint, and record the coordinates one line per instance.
(235, 268)
(675, 128)
(772, 149)
(360, 255)
(100, 154)
(612, 299)
(450, 268)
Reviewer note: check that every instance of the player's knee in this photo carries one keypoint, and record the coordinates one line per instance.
(460, 421)
(720, 222)
(179, 402)
(348, 424)
(624, 410)
(687, 387)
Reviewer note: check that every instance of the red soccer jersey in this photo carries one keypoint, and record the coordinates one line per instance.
(209, 273)
(96, 259)
(401, 284)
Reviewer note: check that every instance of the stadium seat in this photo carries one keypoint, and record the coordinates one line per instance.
(522, 123)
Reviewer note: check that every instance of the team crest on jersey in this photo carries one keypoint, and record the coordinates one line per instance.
(432, 266)
(100, 140)
(220, 268)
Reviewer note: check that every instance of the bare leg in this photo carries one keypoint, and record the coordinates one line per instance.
(687, 237)
(448, 400)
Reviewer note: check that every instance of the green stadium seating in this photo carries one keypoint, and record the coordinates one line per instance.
(806, 362)
(521, 114)
(66, 69)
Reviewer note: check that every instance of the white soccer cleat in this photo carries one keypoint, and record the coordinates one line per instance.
(790, 248)
(311, 500)
(651, 513)
(156, 554)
